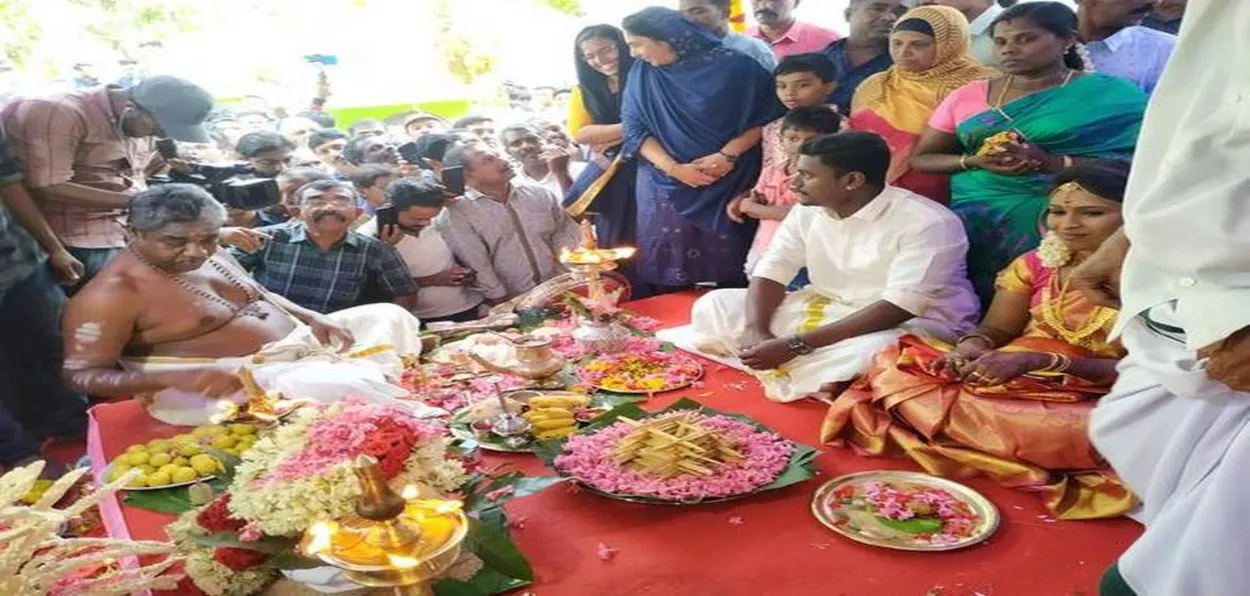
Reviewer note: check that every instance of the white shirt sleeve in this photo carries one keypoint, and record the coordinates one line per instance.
(787, 253)
(925, 264)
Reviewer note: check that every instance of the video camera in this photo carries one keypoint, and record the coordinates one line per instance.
(233, 185)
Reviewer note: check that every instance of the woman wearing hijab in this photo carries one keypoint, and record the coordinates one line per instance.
(929, 46)
(606, 187)
(692, 114)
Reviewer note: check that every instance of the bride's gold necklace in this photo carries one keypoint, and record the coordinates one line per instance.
(1052, 314)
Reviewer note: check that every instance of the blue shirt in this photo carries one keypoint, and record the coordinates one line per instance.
(849, 77)
(753, 48)
(1137, 54)
(292, 266)
(1173, 26)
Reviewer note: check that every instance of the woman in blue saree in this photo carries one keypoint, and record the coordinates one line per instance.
(693, 112)
(1004, 140)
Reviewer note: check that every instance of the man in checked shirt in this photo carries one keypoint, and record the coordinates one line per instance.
(85, 155)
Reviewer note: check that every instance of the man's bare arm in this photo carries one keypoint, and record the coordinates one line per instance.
(763, 298)
(99, 322)
(878, 316)
(72, 193)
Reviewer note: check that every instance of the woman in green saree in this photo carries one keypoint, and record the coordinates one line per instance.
(1003, 140)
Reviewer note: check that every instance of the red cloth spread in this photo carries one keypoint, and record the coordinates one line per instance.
(776, 548)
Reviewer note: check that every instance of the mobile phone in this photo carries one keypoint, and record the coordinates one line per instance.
(411, 153)
(453, 180)
(168, 148)
(250, 195)
(387, 216)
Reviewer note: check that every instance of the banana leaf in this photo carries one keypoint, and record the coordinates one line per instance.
(801, 468)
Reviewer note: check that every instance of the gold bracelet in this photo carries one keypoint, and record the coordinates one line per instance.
(963, 162)
(1058, 363)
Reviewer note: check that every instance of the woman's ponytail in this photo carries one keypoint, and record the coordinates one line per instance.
(1074, 58)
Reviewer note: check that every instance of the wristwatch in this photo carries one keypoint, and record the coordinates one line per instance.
(798, 346)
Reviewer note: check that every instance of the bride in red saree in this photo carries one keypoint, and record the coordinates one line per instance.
(1010, 401)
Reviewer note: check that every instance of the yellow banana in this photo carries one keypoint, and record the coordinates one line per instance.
(555, 433)
(552, 424)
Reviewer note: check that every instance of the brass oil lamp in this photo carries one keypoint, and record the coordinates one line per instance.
(393, 541)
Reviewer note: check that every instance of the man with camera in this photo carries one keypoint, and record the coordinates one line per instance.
(446, 293)
(85, 155)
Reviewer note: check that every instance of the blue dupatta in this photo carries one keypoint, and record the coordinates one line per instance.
(693, 106)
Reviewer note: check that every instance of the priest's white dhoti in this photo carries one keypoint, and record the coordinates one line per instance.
(299, 367)
(719, 320)
(1181, 441)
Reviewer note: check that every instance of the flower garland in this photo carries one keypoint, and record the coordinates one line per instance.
(588, 458)
(300, 474)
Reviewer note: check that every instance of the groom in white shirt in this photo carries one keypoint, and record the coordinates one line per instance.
(883, 261)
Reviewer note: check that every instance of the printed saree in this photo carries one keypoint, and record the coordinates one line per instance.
(1029, 433)
(1092, 116)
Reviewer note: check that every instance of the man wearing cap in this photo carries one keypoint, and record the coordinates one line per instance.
(423, 123)
(84, 155)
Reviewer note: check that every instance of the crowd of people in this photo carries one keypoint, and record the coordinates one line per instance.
(913, 210)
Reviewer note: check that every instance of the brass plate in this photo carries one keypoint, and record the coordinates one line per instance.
(834, 516)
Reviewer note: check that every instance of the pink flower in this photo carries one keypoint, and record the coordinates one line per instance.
(737, 521)
(250, 534)
(606, 553)
(518, 522)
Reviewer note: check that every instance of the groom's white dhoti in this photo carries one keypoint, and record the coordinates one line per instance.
(901, 248)
(299, 367)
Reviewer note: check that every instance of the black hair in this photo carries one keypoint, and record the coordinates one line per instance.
(354, 151)
(468, 121)
(819, 119)
(356, 127)
(603, 105)
(1106, 178)
(435, 145)
(368, 174)
(254, 143)
(724, 5)
(644, 24)
(457, 156)
(847, 152)
(815, 63)
(323, 119)
(415, 192)
(1054, 17)
(323, 136)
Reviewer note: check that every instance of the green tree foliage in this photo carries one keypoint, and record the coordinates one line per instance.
(19, 31)
(573, 7)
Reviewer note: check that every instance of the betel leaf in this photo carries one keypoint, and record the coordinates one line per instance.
(174, 501)
(269, 545)
(802, 460)
(497, 551)
(915, 525)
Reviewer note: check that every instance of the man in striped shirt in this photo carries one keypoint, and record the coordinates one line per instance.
(84, 155)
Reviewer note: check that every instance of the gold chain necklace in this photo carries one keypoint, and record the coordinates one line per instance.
(1052, 315)
(249, 309)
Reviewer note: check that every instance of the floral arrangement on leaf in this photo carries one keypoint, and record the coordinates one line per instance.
(686, 453)
(913, 513)
(449, 387)
(640, 364)
(302, 473)
(36, 561)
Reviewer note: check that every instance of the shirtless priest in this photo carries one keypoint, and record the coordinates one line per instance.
(174, 319)
(882, 261)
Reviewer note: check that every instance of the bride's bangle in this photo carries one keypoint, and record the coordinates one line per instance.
(989, 341)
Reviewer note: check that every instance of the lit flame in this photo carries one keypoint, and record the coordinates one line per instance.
(321, 533)
(402, 562)
(410, 492)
